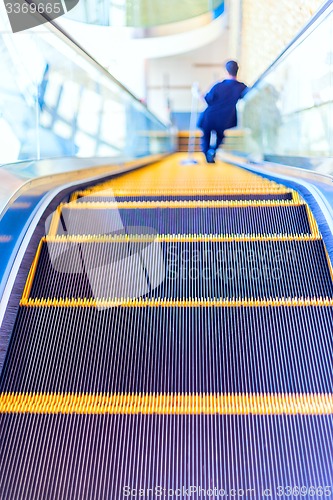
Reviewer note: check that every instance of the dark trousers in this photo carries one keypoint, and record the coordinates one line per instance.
(206, 138)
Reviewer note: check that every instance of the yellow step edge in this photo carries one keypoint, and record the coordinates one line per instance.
(169, 173)
(182, 204)
(176, 186)
(139, 302)
(195, 192)
(296, 197)
(200, 177)
(232, 189)
(222, 190)
(167, 404)
(176, 204)
(55, 220)
(179, 238)
(312, 221)
(32, 271)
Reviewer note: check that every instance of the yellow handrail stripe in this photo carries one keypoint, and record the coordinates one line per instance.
(168, 404)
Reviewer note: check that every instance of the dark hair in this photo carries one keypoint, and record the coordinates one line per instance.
(232, 68)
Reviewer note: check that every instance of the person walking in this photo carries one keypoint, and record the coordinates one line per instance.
(220, 113)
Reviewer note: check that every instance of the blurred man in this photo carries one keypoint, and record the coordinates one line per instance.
(220, 113)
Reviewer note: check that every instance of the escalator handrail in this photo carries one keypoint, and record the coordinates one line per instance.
(59, 31)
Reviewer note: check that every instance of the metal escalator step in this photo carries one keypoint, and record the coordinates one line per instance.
(169, 174)
(171, 350)
(186, 193)
(253, 219)
(182, 270)
(117, 456)
(95, 197)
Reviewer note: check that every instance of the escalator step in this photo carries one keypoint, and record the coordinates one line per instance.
(260, 196)
(278, 219)
(169, 175)
(182, 270)
(153, 350)
(116, 456)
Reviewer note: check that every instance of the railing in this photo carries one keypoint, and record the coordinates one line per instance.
(288, 112)
(56, 101)
(143, 13)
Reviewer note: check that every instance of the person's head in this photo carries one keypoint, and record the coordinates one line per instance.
(232, 68)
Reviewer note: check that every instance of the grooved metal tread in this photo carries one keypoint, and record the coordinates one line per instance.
(181, 270)
(97, 456)
(281, 349)
(84, 197)
(182, 336)
(270, 219)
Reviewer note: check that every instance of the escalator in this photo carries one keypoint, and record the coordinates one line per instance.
(173, 340)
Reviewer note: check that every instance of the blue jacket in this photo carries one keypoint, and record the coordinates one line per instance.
(220, 113)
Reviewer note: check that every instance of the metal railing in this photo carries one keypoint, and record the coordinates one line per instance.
(57, 101)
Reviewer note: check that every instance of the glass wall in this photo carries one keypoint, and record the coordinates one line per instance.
(56, 102)
(142, 13)
(289, 112)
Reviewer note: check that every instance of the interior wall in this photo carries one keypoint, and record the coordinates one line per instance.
(256, 32)
(268, 26)
(169, 79)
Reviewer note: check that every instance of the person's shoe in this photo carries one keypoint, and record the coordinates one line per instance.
(210, 156)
